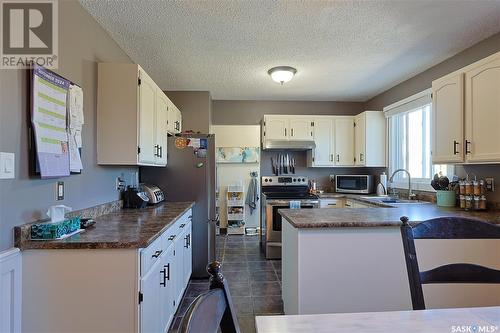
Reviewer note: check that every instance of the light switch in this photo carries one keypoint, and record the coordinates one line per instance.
(7, 165)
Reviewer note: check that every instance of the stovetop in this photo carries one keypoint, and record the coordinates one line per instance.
(291, 196)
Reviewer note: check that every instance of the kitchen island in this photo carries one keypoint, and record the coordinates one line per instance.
(351, 260)
(125, 274)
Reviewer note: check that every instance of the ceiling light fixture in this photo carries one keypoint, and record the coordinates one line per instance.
(282, 74)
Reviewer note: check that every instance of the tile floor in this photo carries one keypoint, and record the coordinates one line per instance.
(254, 282)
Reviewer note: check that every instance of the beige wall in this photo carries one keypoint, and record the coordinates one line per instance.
(82, 44)
(226, 112)
(196, 108)
(423, 81)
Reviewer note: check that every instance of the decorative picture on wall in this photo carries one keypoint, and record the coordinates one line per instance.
(238, 154)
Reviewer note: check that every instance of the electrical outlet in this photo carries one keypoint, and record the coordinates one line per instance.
(490, 184)
(60, 191)
(120, 184)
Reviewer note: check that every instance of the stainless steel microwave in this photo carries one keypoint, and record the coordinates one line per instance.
(362, 184)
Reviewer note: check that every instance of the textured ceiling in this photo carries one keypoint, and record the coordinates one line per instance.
(343, 50)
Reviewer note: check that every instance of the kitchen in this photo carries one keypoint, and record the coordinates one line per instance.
(217, 107)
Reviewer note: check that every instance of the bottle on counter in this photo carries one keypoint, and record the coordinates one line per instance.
(482, 202)
(462, 201)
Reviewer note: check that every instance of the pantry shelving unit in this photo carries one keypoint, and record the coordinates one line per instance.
(235, 203)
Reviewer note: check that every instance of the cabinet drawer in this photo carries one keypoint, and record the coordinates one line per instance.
(331, 203)
(152, 253)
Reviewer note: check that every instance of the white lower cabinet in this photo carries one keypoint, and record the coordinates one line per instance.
(163, 285)
(126, 290)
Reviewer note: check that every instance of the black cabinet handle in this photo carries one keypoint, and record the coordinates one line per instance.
(182, 225)
(455, 144)
(172, 237)
(164, 272)
(167, 266)
(189, 240)
(186, 245)
(156, 151)
(157, 254)
(467, 143)
(361, 156)
(291, 131)
(338, 158)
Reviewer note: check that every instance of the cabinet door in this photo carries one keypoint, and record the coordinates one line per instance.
(301, 128)
(167, 289)
(276, 127)
(150, 319)
(324, 140)
(360, 139)
(178, 268)
(147, 99)
(162, 109)
(447, 116)
(344, 141)
(482, 112)
(188, 250)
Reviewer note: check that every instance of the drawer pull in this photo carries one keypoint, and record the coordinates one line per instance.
(332, 204)
(157, 254)
(188, 241)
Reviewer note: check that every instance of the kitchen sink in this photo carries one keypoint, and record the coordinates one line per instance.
(394, 201)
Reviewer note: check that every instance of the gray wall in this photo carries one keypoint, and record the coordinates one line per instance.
(226, 112)
(196, 108)
(321, 175)
(423, 81)
(82, 44)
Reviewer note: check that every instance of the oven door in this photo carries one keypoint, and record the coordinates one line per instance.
(276, 216)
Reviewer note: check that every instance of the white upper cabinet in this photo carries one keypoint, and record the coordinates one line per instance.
(324, 134)
(132, 117)
(276, 127)
(466, 115)
(301, 128)
(174, 119)
(147, 126)
(448, 116)
(162, 109)
(482, 111)
(344, 141)
(369, 139)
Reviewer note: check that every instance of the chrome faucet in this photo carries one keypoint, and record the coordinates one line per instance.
(411, 195)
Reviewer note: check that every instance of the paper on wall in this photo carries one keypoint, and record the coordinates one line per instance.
(76, 121)
(49, 118)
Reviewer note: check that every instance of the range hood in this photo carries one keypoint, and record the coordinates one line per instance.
(289, 144)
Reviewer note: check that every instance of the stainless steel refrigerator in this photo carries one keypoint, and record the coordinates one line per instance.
(190, 176)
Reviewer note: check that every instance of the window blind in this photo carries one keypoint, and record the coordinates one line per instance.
(408, 104)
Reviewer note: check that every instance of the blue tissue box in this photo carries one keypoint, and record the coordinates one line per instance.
(49, 230)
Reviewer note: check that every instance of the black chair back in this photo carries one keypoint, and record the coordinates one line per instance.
(212, 310)
(445, 228)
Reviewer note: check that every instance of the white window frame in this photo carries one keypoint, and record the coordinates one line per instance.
(406, 106)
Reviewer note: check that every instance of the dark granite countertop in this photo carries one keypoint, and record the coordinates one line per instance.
(126, 228)
(377, 216)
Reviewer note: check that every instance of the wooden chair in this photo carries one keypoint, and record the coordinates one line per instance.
(445, 228)
(213, 309)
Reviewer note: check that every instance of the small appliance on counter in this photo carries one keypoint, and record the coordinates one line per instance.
(154, 193)
(133, 198)
(358, 184)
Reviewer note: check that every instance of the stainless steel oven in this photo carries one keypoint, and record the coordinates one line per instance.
(277, 192)
(362, 184)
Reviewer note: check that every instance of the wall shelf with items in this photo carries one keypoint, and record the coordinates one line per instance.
(235, 203)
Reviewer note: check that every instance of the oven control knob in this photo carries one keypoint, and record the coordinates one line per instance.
(270, 180)
(303, 179)
(294, 180)
(266, 180)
